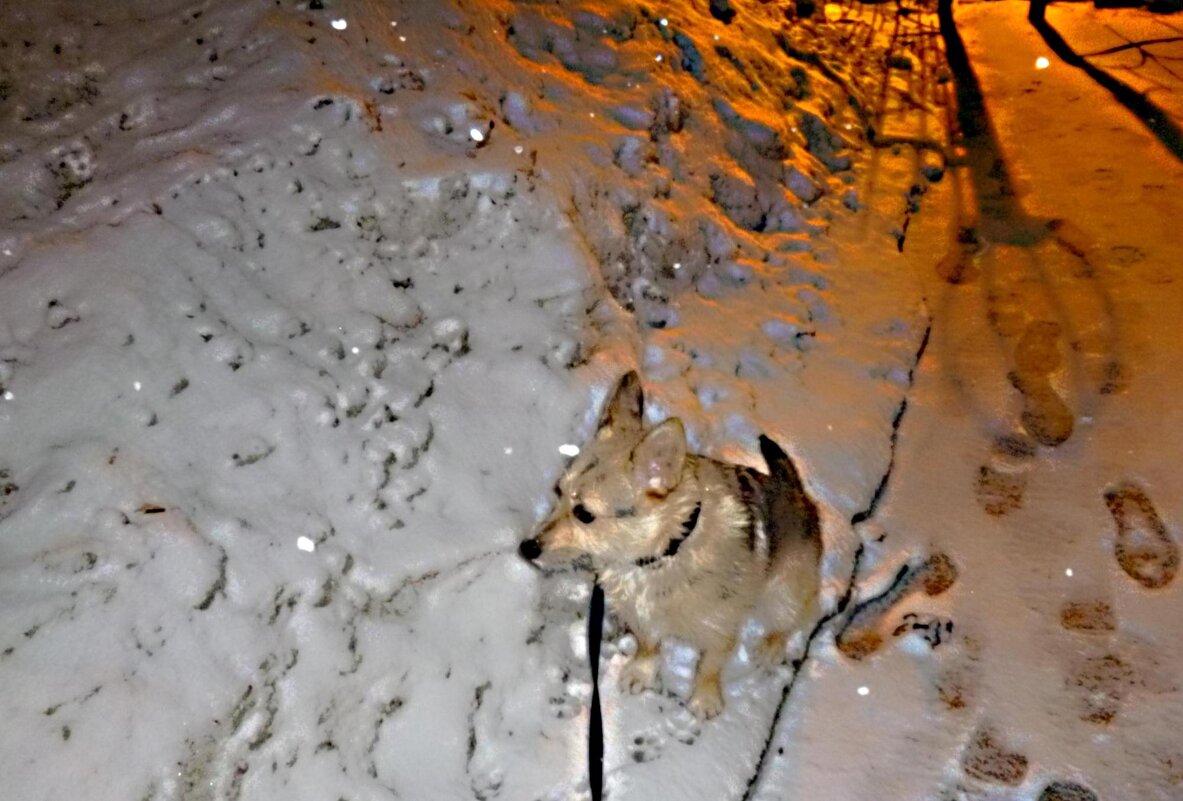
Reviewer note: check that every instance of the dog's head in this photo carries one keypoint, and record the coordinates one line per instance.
(611, 505)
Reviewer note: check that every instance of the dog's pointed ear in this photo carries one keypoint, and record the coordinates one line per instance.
(660, 457)
(622, 415)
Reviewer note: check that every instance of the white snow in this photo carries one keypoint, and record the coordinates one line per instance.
(264, 285)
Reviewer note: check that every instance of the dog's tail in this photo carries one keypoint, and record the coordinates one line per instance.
(780, 466)
(789, 489)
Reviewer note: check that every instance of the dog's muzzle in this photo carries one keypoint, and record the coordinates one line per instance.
(530, 549)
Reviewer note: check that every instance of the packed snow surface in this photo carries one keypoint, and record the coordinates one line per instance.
(304, 306)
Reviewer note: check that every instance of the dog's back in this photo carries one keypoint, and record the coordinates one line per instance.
(782, 517)
(784, 530)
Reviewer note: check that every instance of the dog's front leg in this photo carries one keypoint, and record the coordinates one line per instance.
(770, 653)
(707, 699)
(641, 672)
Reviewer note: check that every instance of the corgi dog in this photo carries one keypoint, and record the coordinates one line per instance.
(685, 547)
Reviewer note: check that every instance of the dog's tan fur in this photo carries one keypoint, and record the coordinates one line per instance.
(752, 548)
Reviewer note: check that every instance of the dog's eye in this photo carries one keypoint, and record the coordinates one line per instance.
(582, 514)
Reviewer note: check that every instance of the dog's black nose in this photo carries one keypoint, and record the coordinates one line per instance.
(530, 549)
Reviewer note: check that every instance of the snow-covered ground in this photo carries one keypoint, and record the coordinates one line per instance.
(299, 301)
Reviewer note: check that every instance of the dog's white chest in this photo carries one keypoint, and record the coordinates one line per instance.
(642, 598)
(667, 602)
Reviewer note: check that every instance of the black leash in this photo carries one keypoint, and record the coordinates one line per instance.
(595, 735)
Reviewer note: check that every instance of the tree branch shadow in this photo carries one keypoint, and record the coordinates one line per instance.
(1157, 121)
(998, 207)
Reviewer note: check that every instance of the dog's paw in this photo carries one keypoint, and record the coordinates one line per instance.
(640, 674)
(707, 701)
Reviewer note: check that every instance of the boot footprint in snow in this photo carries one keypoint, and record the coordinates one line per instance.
(1144, 547)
